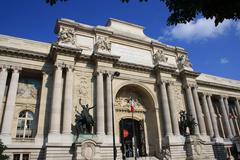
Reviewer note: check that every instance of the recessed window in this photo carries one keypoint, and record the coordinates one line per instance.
(21, 156)
(25, 125)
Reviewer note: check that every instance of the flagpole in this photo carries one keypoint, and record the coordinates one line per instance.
(134, 139)
(115, 74)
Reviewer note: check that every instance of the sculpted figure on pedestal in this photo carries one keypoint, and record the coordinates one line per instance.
(84, 121)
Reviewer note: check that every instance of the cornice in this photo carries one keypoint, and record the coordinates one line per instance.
(132, 66)
(217, 85)
(63, 50)
(24, 54)
(104, 57)
(189, 73)
(164, 68)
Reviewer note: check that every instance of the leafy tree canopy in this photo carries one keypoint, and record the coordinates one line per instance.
(183, 11)
(2, 148)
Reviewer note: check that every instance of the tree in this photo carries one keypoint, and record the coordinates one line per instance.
(183, 11)
(2, 148)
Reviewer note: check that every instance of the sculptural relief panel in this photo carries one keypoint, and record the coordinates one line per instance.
(179, 97)
(82, 90)
(28, 90)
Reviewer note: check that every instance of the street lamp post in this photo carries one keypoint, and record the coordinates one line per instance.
(115, 74)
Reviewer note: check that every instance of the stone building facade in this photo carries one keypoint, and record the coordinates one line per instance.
(43, 85)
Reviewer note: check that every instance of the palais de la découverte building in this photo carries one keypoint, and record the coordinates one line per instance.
(44, 85)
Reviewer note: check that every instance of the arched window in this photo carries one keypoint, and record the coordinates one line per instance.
(25, 125)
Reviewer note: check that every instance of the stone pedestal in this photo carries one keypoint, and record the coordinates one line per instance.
(196, 149)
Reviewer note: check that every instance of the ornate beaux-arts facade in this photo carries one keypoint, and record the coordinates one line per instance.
(44, 85)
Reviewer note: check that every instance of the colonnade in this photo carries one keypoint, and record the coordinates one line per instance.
(100, 103)
(11, 97)
(55, 122)
(169, 110)
(203, 111)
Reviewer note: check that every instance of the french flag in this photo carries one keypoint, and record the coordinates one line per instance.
(132, 104)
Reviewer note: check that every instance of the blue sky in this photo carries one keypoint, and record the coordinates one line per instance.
(211, 50)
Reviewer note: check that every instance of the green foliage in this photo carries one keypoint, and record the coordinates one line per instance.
(2, 148)
(183, 11)
(52, 2)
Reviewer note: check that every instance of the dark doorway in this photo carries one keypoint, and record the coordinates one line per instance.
(126, 137)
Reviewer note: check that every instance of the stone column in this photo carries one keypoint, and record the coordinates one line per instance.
(191, 107)
(42, 108)
(207, 115)
(3, 80)
(100, 104)
(68, 104)
(228, 113)
(109, 104)
(56, 101)
(238, 110)
(225, 116)
(173, 109)
(201, 122)
(166, 113)
(213, 117)
(237, 106)
(10, 104)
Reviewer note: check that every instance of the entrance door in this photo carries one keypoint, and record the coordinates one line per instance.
(128, 128)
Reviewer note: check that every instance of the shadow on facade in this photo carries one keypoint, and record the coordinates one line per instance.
(219, 151)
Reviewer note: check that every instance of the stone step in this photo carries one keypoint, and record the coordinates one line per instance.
(142, 158)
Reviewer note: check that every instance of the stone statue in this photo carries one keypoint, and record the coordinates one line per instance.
(186, 122)
(84, 121)
(103, 44)
(159, 57)
(66, 35)
(184, 61)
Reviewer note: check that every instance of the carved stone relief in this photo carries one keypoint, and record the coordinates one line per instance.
(88, 150)
(66, 35)
(83, 89)
(122, 101)
(28, 88)
(102, 45)
(159, 57)
(183, 61)
(178, 97)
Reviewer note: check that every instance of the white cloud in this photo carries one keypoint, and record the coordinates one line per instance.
(224, 60)
(201, 29)
(237, 25)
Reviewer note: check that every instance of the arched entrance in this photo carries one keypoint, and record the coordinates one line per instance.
(132, 138)
(144, 119)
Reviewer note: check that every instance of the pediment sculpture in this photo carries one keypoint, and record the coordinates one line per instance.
(159, 57)
(103, 45)
(66, 35)
(184, 61)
